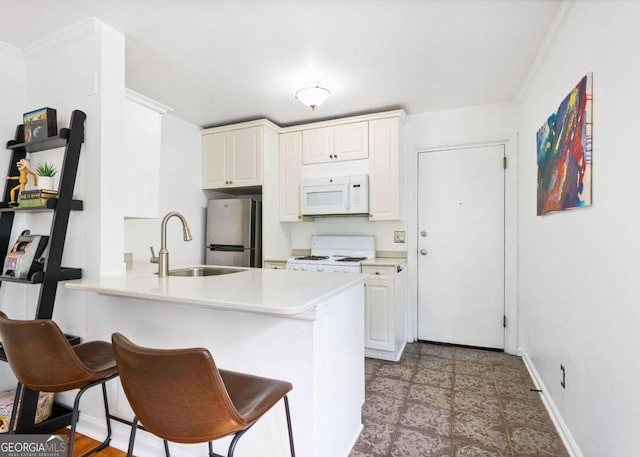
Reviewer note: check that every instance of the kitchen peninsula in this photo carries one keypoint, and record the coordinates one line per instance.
(302, 328)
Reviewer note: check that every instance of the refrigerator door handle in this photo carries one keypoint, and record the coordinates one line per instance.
(226, 247)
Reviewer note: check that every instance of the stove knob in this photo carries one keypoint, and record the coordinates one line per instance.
(295, 267)
(303, 268)
(345, 270)
(320, 268)
(336, 269)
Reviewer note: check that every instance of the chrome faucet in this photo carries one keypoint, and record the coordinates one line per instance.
(163, 256)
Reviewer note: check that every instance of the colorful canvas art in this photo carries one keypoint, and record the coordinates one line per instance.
(564, 152)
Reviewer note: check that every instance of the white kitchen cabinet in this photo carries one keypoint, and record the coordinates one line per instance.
(385, 311)
(143, 147)
(290, 162)
(335, 143)
(275, 264)
(384, 178)
(232, 159)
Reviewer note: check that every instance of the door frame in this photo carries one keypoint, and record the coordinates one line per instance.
(510, 142)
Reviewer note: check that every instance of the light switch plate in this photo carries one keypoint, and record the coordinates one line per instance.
(399, 236)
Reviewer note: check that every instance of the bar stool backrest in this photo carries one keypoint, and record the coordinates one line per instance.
(40, 355)
(177, 394)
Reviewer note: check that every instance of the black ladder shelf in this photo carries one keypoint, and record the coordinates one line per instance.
(71, 139)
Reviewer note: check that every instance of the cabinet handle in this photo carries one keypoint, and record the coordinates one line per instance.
(335, 156)
(377, 272)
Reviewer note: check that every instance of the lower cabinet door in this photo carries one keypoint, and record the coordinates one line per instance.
(379, 316)
(274, 265)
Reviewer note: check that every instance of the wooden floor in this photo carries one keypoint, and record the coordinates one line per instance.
(83, 444)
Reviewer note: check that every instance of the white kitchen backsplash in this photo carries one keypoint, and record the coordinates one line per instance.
(348, 225)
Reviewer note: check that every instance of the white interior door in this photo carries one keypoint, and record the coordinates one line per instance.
(461, 246)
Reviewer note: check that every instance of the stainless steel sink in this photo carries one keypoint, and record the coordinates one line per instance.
(204, 271)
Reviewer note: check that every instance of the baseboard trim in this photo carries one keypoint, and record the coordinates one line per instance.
(390, 356)
(354, 440)
(567, 438)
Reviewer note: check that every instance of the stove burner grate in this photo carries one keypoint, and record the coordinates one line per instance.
(351, 259)
(312, 257)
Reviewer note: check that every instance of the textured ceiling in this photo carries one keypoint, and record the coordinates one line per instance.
(219, 61)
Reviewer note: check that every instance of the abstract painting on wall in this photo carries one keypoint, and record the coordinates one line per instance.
(564, 152)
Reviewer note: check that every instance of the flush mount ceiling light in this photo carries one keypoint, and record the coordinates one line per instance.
(313, 95)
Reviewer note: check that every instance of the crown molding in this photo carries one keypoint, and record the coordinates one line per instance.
(243, 125)
(399, 113)
(145, 101)
(63, 37)
(556, 26)
(11, 50)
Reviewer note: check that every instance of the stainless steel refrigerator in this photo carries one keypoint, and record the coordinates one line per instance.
(234, 232)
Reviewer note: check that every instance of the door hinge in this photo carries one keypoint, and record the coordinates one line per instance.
(504, 163)
(504, 321)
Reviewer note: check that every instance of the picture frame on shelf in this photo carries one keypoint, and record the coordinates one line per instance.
(39, 124)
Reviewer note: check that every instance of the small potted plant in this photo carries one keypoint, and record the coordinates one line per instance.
(46, 172)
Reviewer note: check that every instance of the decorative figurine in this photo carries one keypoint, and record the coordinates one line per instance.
(23, 179)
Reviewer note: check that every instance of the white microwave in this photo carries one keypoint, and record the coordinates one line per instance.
(339, 195)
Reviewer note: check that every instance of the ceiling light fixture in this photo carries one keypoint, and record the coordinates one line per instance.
(313, 95)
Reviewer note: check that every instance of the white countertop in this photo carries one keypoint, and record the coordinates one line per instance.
(384, 262)
(256, 290)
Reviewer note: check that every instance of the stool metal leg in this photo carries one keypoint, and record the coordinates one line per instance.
(235, 439)
(166, 448)
(132, 436)
(76, 414)
(286, 408)
(14, 410)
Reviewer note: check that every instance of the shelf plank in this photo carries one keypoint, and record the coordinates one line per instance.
(66, 274)
(60, 418)
(52, 203)
(53, 142)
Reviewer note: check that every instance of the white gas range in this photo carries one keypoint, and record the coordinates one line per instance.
(335, 254)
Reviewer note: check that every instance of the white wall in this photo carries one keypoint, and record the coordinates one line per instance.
(578, 273)
(12, 94)
(179, 191)
(464, 126)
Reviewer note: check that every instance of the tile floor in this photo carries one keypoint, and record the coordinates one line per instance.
(456, 402)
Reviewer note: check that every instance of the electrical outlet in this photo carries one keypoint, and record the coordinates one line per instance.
(399, 236)
(563, 382)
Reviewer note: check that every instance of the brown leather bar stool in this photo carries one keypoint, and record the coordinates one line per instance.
(181, 396)
(43, 360)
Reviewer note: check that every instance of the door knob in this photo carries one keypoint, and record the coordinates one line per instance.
(423, 252)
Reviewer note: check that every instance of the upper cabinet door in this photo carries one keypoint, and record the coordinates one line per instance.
(290, 173)
(232, 159)
(384, 179)
(333, 144)
(214, 157)
(247, 145)
(351, 141)
(317, 145)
